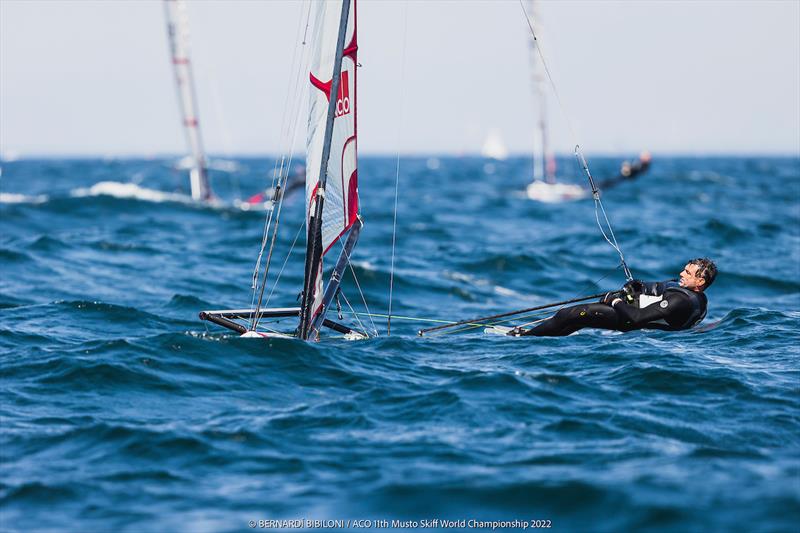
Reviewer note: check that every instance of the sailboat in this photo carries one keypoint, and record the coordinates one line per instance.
(493, 146)
(544, 186)
(332, 202)
(178, 32)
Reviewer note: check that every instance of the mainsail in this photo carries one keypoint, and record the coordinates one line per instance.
(331, 161)
(544, 164)
(178, 32)
(331, 206)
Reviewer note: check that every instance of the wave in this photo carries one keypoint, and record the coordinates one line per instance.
(13, 198)
(132, 191)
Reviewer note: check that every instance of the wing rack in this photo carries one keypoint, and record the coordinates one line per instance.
(226, 318)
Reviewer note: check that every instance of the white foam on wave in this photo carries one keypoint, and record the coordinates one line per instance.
(366, 265)
(130, 190)
(483, 282)
(505, 291)
(118, 189)
(13, 198)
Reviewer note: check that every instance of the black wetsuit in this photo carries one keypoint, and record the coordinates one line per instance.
(673, 308)
(626, 173)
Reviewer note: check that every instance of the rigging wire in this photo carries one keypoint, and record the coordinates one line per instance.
(584, 290)
(276, 176)
(291, 136)
(363, 328)
(397, 168)
(598, 204)
(358, 286)
(280, 272)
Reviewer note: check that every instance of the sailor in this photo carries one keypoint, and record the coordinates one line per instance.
(295, 181)
(668, 305)
(628, 171)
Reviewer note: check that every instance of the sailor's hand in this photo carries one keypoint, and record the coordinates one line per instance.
(609, 297)
(632, 289)
(635, 286)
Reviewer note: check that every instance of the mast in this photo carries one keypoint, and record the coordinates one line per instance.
(178, 32)
(544, 165)
(326, 223)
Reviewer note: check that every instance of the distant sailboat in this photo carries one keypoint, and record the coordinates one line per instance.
(493, 146)
(544, 186)
(178, 32)
(332, 203)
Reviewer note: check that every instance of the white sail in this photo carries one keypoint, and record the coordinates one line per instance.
(544, 165)
(178, 32)
(340, 204)
(341, 187)
(493, 146)
(331, 182)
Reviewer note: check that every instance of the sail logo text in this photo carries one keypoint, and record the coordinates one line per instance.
(343, 95)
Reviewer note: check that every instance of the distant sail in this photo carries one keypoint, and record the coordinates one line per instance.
(178, 32)
(544, 164)
(493, 146)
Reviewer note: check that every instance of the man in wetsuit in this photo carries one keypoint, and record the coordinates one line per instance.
(667, 305)
(628, 171)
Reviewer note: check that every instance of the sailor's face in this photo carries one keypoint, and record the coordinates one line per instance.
(689, 278)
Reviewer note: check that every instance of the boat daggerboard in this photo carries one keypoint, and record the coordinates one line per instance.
(178, 32)
(331, 160)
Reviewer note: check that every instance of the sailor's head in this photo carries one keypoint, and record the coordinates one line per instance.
(698, 274)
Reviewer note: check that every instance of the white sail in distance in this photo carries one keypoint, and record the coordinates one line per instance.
(178, 32)
(493, 146)
(544, 164)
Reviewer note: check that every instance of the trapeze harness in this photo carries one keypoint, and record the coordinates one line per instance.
(661, 305)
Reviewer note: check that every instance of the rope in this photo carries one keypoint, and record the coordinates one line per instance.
(308, 18)
(276, 176)
(468, 327)
(578, 152)
(598, 207)
(410, 318)
(397, 169)
(280, 272)
(283, 174)
(358, 286)
(493, 323)
(363, 328)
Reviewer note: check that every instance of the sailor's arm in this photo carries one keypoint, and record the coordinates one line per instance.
(632, 316)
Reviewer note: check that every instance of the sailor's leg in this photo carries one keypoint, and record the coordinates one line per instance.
(571, 319)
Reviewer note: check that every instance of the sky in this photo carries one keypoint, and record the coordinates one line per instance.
(93, 77)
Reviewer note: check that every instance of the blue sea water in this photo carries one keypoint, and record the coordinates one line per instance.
(121, 411)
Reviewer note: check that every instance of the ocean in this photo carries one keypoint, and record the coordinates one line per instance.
(121, 411)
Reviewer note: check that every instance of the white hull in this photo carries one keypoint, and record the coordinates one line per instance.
(542, 191)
